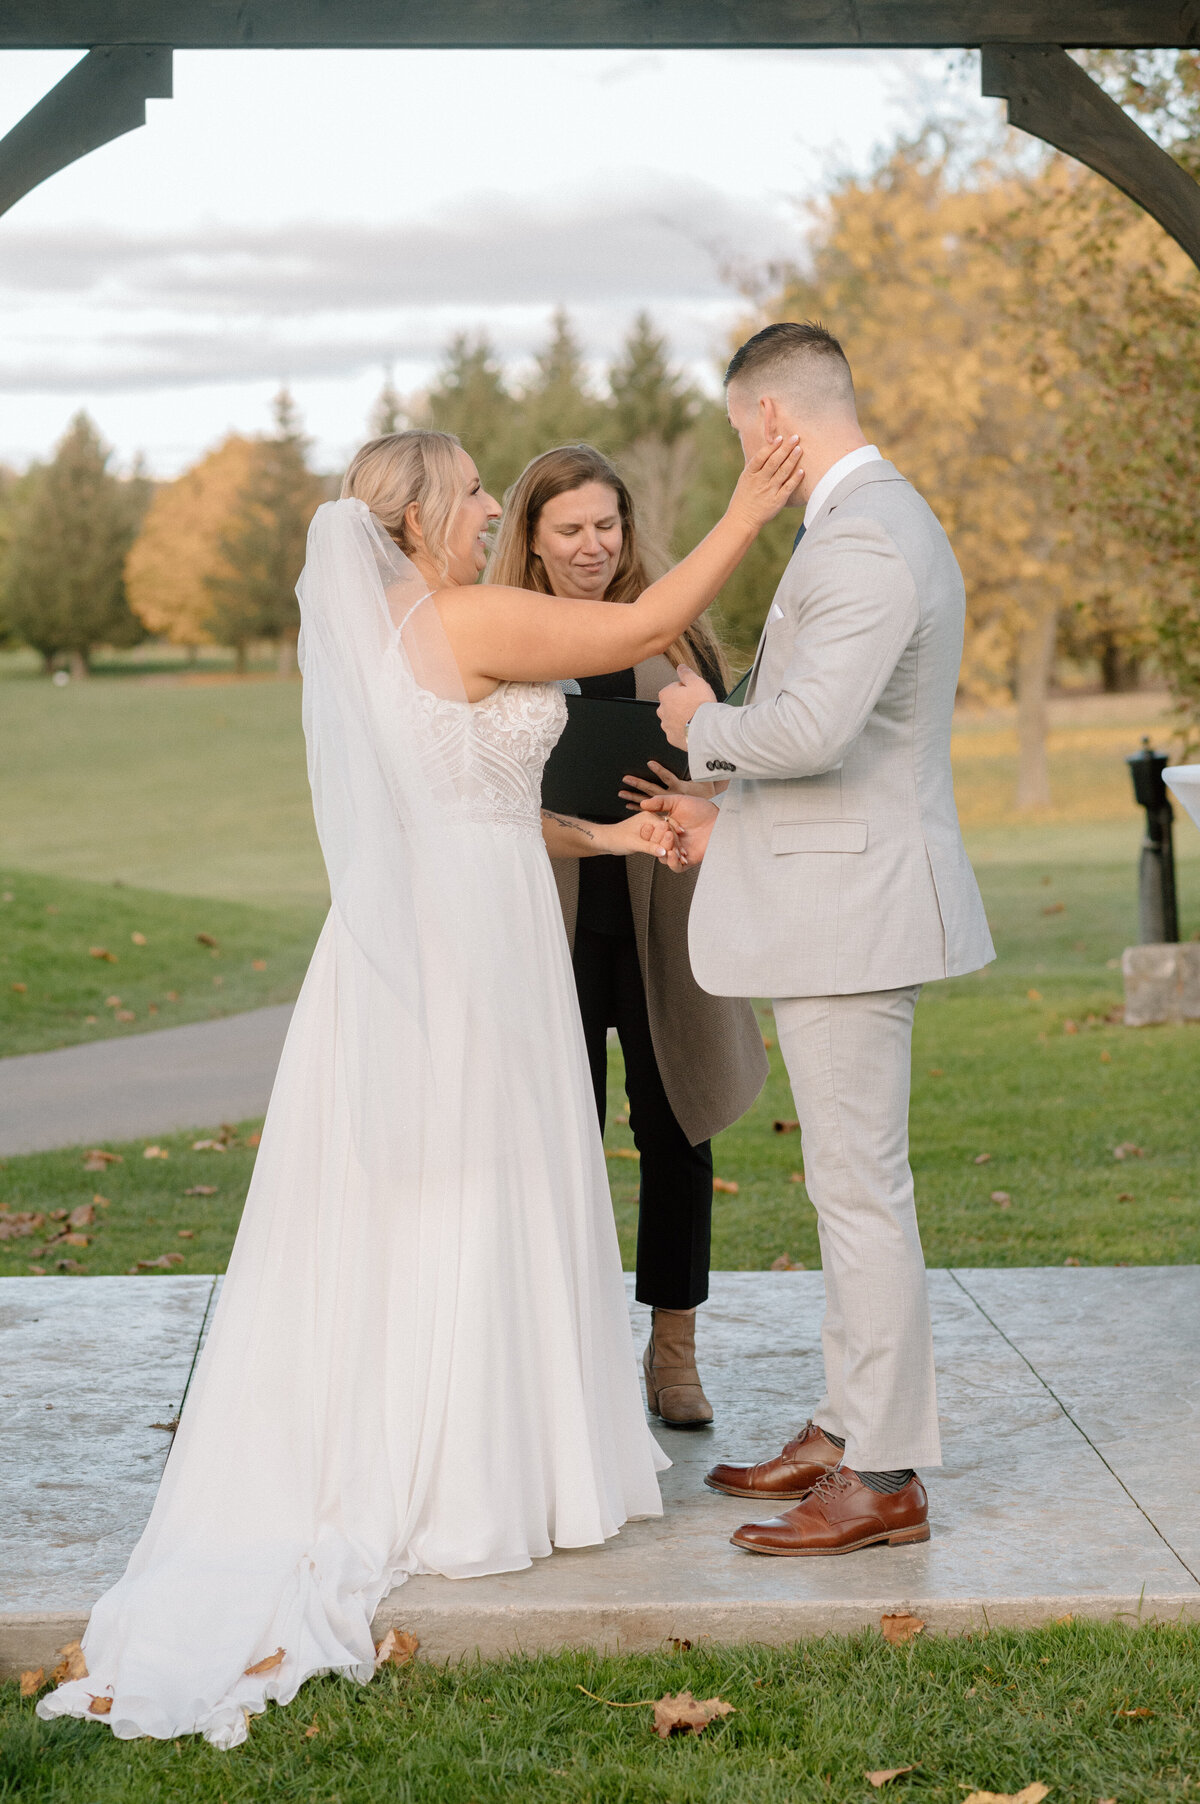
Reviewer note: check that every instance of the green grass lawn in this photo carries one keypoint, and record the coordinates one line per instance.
(1094, 1712)
(156, 971)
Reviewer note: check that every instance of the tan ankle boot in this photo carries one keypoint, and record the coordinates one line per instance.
(673, 1388)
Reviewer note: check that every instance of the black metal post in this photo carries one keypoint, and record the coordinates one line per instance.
(1158, 916)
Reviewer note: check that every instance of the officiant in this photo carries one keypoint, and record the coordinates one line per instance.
(693, 1062)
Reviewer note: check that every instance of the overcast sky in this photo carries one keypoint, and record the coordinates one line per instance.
(317, 216)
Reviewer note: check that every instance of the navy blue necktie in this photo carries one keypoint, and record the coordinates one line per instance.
(798, 536)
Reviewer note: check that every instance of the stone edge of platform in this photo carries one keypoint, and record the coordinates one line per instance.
(30, 1639)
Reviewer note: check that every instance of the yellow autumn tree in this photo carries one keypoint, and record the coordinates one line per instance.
(178, 553)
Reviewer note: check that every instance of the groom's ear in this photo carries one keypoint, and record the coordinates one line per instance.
(768, 414)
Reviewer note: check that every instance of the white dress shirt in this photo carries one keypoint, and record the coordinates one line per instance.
(866, 454)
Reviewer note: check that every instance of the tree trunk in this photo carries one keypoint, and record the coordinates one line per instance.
(1035, 663)
(48, 658)
(240, 659)
(79, 664)
(285, 656)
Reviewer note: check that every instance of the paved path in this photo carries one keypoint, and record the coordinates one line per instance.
(143, 1084)
(1053, 1385)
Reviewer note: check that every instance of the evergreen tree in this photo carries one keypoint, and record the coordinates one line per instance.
(469, 397)
(650, 400)
(557, 408)
(387, 415)
(254, 597)
(71, 523)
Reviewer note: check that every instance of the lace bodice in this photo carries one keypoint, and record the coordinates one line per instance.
(501, 745)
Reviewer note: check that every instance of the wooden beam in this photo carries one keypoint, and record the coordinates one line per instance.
(595, 24)
(101, 98)
(1052, 98)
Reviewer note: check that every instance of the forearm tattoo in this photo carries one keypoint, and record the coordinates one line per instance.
(573, 826)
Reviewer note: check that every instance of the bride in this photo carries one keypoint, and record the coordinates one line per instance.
(421, 1357)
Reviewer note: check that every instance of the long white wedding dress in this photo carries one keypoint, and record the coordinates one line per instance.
(421, 1359)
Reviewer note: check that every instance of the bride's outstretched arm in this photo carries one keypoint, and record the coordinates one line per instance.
(515, 635)
(568, 837)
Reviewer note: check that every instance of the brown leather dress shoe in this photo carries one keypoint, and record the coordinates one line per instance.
(792, 1473)
(839, 1514)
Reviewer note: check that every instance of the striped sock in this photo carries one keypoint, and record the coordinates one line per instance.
(887, 1482)
(837, 1439)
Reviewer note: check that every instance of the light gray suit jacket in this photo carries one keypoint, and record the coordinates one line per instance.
(837, 865)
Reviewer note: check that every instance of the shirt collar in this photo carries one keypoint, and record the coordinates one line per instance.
(866, 454)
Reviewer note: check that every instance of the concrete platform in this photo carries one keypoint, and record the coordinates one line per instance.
(1054, 1384)
(141, 1084)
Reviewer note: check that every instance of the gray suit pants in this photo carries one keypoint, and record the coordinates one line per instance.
(849, 1059)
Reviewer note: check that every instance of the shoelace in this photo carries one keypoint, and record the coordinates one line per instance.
(827, 1488)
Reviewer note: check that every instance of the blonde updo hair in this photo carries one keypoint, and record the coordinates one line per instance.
(393, 472)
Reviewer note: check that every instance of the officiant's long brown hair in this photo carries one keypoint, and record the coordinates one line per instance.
(515, 564)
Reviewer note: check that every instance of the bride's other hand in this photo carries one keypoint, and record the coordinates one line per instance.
(693, 820)
(668, 784)
(769, 478)
(642, 833)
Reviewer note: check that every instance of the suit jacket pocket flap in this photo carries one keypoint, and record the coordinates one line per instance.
(819, 836)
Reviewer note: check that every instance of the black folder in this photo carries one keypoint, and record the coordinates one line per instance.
(606, 739)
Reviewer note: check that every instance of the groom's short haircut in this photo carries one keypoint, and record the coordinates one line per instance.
(800, 361)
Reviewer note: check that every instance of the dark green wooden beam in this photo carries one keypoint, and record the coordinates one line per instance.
(1052, 98)
(596, 24)
(101, 98)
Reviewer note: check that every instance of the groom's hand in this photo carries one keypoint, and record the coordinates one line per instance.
(692, 818)
(679, 701)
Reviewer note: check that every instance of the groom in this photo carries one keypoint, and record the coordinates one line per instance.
(835, 881)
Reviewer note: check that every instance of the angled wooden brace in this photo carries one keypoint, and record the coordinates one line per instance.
(101, 98)
(1052, 98)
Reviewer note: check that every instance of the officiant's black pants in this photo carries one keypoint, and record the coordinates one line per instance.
(675, 1198)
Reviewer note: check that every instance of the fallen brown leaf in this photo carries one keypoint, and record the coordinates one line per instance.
(1070, 1027)
(71, 1664)
(68, 1265)
(73, 1240)
(617, 1152)
(785, 1127)
(785, 1263)
(112, 1002)
(1055, 908)
(268, 1664)
(726, 1186)
(314, 1728)
(1106, 1058)
(883, 1775)
(253, 1139)
(101, 1202)
(155, 1152)
(796, 1177)
(100, 1706)
(139, 939)
(124, 1014)
(32, 1682)
(37, 1271)
(110, 958)
(1029, 1794)
(686, 1715)
(206, 939)
(1140, 1711)
(901, 1627)
(1127, 1150)
(983, 1158)
(102, 1158)
(768, 1045)
(58, 1215)
(1002, 1197)
(170, 995)
(201, 1190)
(396, 1649)
(258, 964)
(1126, 1196)
(1071, 1261)
(20, 988)
(1034, 995)
(185, 1233)
(82, 1215)
(936, 1071)
(164, 1262)
(167, 1427)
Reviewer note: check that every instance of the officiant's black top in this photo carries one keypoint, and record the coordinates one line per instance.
(603, 887)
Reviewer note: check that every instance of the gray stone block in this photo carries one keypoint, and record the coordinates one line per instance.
(1162, 983)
